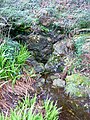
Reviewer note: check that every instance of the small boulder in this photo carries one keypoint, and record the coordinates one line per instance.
(38, 67)
(59, 83)
(60, 48)
(54, 64)
(41, 47)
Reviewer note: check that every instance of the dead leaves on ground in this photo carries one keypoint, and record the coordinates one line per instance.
(9, 95)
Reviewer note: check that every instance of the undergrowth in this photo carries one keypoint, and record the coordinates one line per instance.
(78, 45)
(21, 15)
(26, 110)
(76, 63)
(77, 85)
(12, 57)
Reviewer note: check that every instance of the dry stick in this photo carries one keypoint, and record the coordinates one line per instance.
(3, 84)
(8, 25)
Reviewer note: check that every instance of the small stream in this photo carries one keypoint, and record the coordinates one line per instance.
(72, 109)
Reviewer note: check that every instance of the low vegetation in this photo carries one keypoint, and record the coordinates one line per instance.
(48, 40)
(12, 57)
(29, 110)
(77, 85)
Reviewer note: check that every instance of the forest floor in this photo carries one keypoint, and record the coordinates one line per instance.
(57, 36)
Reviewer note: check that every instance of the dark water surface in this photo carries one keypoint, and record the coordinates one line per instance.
(72, 109)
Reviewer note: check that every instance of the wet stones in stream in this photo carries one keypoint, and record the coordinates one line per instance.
(54, 64)
(38, 67)
(59, 83)
(55, 80)
(71, 108)
(61, 49)
(39, 45)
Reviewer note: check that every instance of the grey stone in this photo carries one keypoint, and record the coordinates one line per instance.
(59, 83)
(86, 47)
(41, 82)
(38, 67)
(54, 64)
(41, 47)
(60, 48)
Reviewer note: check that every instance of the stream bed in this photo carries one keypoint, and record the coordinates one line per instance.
(72, 108)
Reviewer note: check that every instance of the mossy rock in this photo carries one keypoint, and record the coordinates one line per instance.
(77, 85)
